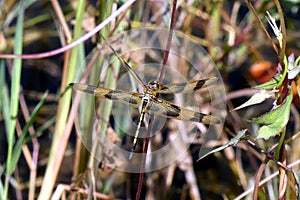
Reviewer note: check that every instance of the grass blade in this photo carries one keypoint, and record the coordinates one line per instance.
(14, 101)
(18, 147)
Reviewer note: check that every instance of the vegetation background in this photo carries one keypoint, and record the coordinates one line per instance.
(41, 156)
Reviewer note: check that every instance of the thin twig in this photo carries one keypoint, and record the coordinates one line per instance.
(258, 177)
(32, 163)
(247, 192)
(261, 26)
(61, 19)
(283, 31)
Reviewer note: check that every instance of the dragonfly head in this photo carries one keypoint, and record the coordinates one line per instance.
(153, 86)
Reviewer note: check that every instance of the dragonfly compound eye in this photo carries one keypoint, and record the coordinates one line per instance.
(154, 85)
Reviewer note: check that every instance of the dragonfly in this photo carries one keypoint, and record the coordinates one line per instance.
(152, 104)
(149, 101)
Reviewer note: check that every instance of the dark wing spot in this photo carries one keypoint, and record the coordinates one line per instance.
(164, 89)
(175, 107)
(90, 89)
(130, 100)
(170, 113)
(198, 117)
(153, 108)
(173, 113)
(113, 95)
(200, 84)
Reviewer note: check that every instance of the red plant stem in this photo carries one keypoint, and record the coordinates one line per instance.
(258, 177)
(161, 75)
(269, 155)
(166, 56)
(142, 169)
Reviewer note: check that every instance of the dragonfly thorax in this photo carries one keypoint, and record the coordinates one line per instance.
(146, 98)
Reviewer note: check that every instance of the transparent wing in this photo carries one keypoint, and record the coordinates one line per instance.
(186, 87)
(155, 106)
(130, 98)
(164, 108)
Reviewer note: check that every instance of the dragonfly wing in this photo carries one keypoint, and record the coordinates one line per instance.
(130, 98)
(167, 109)
(186, 87)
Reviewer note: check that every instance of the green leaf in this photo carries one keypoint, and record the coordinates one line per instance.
(255, 99)
(18, 147)
(265, 132)
(4, 94)
(14, 99)
(297, 61)
(272, 116)
(270, 84)
(240, 136)
(275, 120)
(269, 117)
